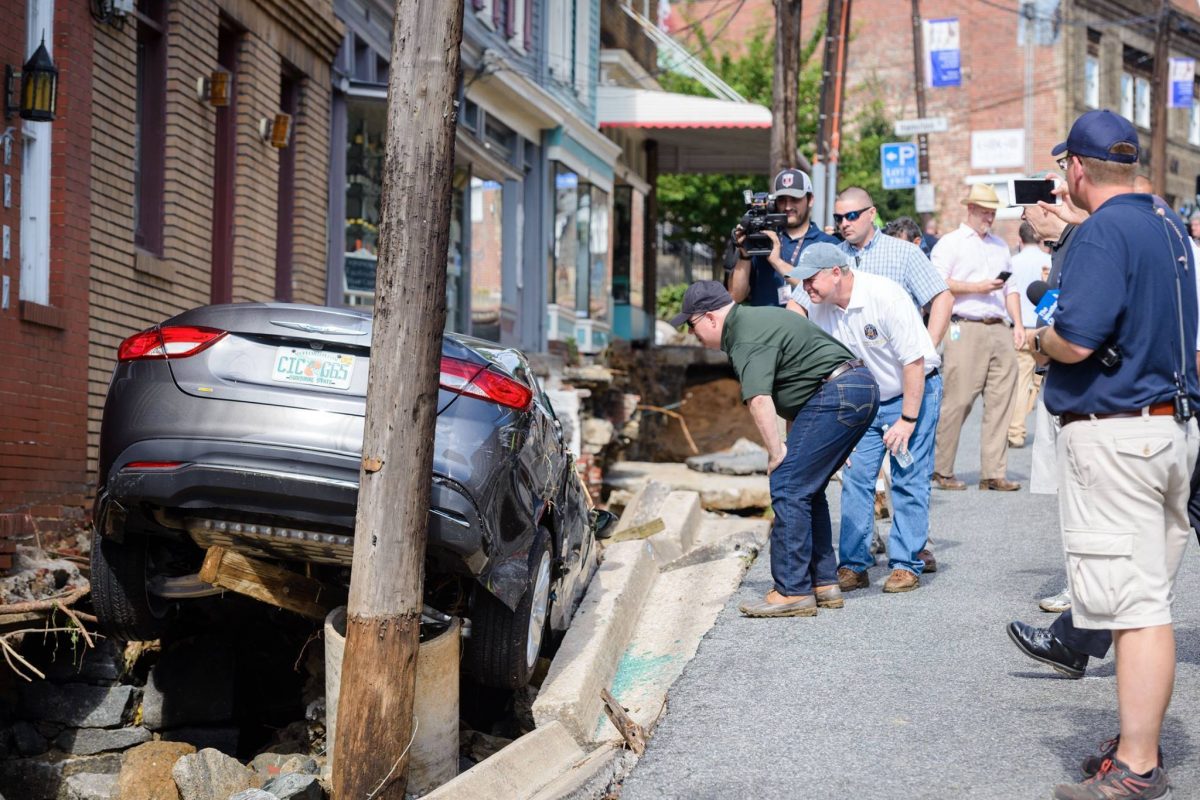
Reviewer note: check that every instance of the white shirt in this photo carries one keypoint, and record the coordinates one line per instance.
(963, 255)
(1027, 267)
(880, 326)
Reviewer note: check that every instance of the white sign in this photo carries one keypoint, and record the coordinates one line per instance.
(943, 63)
(913, 127)
(1002, 148)
(1182, 81)
(924, 198)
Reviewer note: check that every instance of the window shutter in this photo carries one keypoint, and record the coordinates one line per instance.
(497, 14)
(510, 24)
(528, 33)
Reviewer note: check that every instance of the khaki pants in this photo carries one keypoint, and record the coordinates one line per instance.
(1123, 487)
(981, 360)
(1029, 383)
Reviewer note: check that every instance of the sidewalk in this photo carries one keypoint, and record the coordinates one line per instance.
(918, 695)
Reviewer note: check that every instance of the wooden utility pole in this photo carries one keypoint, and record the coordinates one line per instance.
(1160, 93)
(375, 724)
(785, 86)
(919, 80)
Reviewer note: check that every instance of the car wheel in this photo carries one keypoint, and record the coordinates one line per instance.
(124, 608)
(504, 644)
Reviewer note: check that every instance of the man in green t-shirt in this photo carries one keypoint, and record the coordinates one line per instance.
(789, 367)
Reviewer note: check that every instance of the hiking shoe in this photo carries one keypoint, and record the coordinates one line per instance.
(849, 580)
(829, 596)
(930, 562)
(1057, 604)
(948, 482)
(1115, 781)
(1108, 749)
(901, 580)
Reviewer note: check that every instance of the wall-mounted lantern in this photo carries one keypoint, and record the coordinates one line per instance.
(38, 88)
(215, 89)
(276, 131)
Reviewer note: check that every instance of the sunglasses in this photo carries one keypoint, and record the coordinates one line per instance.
(1064, 162)
(850, 216)
(691, 324)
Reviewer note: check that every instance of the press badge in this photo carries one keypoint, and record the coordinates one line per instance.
(785, 294)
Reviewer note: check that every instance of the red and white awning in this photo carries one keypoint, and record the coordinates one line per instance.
(694, 134)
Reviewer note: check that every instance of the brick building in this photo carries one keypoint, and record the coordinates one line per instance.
(44, 268)
(190, 203)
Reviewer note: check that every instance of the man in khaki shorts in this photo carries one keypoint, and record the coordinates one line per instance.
(1122, 380)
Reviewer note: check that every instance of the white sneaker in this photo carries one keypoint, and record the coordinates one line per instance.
(1056, 604)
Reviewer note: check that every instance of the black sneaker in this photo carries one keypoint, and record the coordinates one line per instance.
(1115, 781)
(1108, 749)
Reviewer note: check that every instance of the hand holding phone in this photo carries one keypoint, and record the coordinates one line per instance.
(1004, 276)
(1031, 191)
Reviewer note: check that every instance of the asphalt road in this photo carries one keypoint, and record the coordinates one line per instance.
(917, 695)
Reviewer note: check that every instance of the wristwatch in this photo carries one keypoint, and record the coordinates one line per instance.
(907, 418)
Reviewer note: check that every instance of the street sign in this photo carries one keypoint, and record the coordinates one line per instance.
(943, 67)
(924, 198)
(915, 127)
(898, 162)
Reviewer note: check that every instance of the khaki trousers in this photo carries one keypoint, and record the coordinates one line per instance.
(981, 360)
(1029, 383)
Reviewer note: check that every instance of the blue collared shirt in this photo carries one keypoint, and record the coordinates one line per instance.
(768, 287)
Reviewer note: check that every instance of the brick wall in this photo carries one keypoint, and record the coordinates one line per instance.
(133, 290)
(43, 477)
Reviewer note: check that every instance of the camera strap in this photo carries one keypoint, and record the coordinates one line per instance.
(1183, 409)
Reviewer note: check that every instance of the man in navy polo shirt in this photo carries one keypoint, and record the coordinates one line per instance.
(1120, 378)
(762, 280)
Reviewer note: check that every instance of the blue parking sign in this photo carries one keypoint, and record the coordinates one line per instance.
(899, 165)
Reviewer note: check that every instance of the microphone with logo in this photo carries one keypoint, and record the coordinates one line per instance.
(1044, 299)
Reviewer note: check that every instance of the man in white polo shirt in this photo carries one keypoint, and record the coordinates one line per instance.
(874, 318)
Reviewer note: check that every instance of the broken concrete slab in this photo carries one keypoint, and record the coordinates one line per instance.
(76, 704)
(88, 741)
(744, 457)
(590, 777)
(686, 603)
(679, 512)
(588, 656)
(519, 770)
(717, 492)
(719, 536)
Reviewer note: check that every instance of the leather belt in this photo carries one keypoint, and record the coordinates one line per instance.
(987, 321)
(843, 368)
(932, 373)
(1164, 409)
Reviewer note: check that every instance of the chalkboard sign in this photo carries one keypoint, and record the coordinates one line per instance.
(360, 274)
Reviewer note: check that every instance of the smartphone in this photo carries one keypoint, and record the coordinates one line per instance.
(1031, 191)
(1003, 276)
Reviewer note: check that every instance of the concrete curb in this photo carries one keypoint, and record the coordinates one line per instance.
(590, 777)
(587, 658)
(531, 762)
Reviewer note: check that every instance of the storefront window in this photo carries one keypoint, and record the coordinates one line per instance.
(598, 275)
(487, 215)
(583, 230)
(566, 236)
(366, 128)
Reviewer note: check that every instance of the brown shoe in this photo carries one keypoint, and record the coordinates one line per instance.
(999, 485)
(901, 580)
(948, 482)
(849, 580)
(829, 596)
(930, 562)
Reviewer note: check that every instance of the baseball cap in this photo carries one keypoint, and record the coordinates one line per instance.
(816, 257)
(701, 296)
(1101, 134)
(792, 183)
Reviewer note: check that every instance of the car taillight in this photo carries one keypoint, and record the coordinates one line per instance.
(463, 377)
(153, 465)
(173, 341)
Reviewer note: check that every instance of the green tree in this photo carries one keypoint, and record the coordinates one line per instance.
(704, 208)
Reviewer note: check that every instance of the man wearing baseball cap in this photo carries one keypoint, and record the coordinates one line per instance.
(1122, 380)
(762, 280)
(789, 367)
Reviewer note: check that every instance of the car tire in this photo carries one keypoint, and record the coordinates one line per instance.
(122, 604)
(504, 644)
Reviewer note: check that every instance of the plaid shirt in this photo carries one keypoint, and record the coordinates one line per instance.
(900, 261)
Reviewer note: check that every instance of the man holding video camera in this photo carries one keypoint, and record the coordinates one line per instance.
(761, 280)
(1122, 379)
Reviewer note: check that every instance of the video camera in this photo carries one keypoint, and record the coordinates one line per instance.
(760, 216)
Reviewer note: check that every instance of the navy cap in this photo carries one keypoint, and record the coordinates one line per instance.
(1101, 134)
(701, 296)
(816, 257)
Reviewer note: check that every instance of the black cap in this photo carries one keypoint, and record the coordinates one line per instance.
(792, 183)
(701, 296)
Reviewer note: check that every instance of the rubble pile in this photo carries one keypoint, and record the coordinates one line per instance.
(38, 576)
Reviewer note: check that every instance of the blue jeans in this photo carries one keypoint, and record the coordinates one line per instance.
(823, 434)
(910, 488)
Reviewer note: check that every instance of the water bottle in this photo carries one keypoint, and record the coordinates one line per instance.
(904, 458)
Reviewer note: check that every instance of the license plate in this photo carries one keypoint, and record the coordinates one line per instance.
(313, 368)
